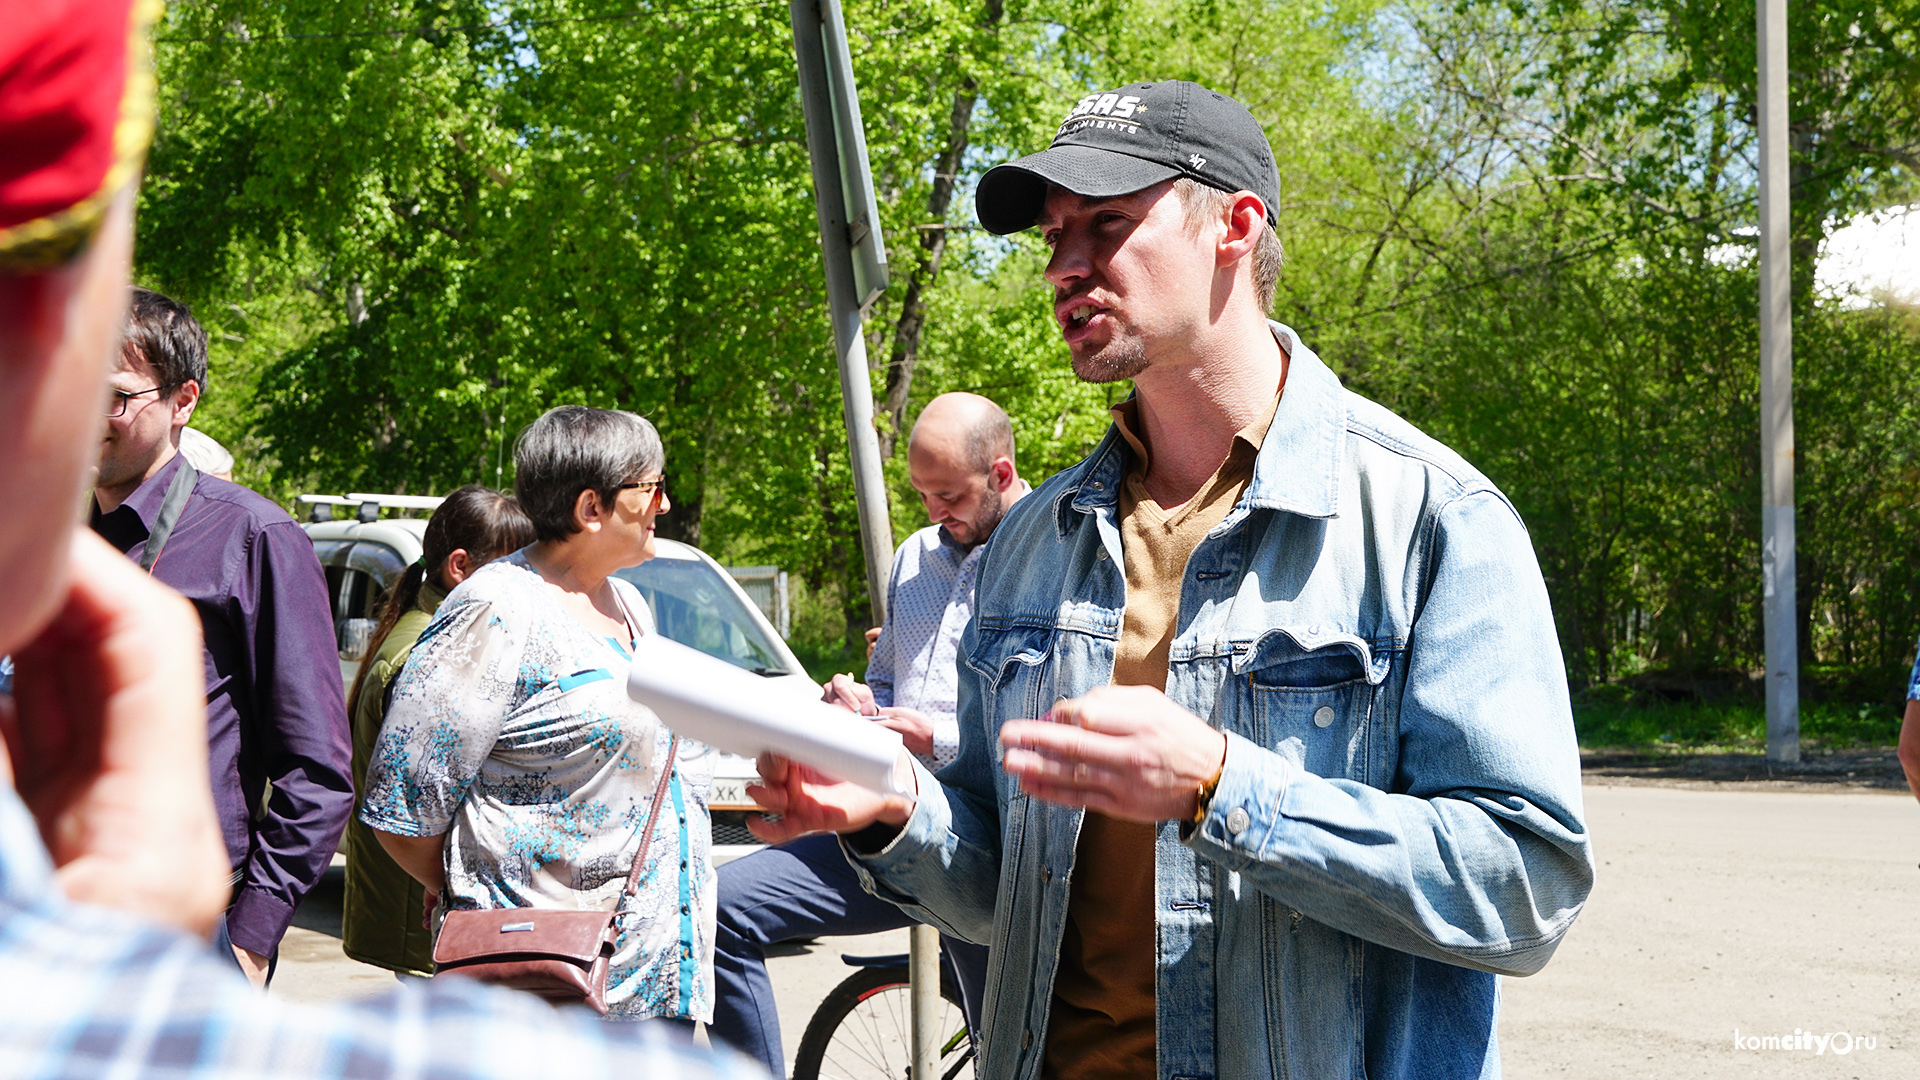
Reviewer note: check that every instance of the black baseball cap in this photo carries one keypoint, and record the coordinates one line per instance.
(1119, 141)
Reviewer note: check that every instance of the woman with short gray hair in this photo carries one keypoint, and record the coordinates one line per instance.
(573, 450)
(513, 770)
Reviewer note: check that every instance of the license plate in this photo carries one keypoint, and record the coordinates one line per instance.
(729, 794)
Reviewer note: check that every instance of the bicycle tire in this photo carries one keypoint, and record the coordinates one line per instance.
(862, 1031)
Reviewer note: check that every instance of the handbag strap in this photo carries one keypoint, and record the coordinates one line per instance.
(653, 817)
(179, 490)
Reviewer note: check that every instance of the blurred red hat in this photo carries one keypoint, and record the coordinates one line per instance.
(76, 115)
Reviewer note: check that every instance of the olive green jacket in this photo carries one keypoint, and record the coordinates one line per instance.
(385, 908)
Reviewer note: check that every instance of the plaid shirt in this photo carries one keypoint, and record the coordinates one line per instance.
(92, 993)
(1913, 682)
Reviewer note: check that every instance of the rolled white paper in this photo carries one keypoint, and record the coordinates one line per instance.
(737, 712)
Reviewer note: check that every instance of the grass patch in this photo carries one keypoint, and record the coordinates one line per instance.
(1620, 720)
(825, 660)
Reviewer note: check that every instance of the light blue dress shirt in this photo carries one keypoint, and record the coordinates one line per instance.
(929, 600)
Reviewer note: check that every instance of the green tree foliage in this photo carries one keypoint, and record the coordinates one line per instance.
(1563, 288)
(412, 226)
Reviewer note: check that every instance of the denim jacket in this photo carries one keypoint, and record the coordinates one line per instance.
(1399, 818)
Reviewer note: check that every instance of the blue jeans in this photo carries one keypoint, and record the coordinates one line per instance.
(799, 890)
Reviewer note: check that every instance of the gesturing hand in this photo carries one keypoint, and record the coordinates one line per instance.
(1126, 751)
(109, 745)
(808, 801)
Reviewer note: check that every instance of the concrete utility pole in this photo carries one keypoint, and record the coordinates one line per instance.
(849, 237)
(856, 264)
(1776, 394)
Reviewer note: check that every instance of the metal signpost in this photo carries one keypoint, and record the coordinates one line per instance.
(855, 257)
(1776, 395)
(856, 263)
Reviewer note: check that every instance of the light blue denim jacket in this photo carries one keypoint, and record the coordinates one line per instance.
(1399, 819)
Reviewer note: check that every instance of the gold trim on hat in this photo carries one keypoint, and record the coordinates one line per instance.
(48, 242)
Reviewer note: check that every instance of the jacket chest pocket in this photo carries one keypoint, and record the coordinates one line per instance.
(1012, 664)
(1310, 698)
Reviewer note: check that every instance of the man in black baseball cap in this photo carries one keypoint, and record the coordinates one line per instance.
(1124, 140)
(1306, 778)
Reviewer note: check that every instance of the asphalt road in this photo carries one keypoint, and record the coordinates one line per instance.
(1720, 911)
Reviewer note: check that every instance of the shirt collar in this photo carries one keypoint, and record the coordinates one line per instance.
(1126, 418)
(1297, 468)
(948, 543)
(146, 499)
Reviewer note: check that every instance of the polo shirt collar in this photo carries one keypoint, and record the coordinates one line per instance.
(431, 594)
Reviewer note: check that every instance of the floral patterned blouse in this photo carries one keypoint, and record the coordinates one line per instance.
(511, 732)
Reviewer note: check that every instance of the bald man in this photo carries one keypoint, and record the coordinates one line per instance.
(960, 459)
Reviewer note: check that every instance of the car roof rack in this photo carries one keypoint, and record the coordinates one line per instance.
(370, 504)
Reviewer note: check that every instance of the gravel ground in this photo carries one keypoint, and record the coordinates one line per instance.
(1720, 910)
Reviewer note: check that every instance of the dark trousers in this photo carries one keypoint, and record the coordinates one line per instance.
(799, 890)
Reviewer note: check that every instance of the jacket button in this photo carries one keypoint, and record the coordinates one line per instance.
(1323, 716)
(1238, 819)
(1026, 1043)
(1046, 873)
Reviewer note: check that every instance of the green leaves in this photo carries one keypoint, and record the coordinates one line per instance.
(413, 226)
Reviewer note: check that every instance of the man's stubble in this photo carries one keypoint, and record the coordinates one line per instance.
(1113, 362)
(992, 509)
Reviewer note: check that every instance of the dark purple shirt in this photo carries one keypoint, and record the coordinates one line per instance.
(274, 707)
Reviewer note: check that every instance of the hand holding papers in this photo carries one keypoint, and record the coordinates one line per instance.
(737, 712)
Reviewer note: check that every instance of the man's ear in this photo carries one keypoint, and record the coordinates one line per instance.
(1246, 219)
(186, 398)
(588, 512)
(1000, 474)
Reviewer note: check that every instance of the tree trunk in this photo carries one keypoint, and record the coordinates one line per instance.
(1810, 203)
(905, 355)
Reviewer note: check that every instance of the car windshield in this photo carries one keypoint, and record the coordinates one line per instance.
(694, 607)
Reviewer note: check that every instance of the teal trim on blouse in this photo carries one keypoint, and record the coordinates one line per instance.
(689, 965)
(582, 678)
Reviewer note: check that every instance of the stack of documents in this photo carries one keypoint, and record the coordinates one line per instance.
(737, 712)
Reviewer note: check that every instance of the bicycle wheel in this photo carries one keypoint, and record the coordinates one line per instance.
(863, 1031)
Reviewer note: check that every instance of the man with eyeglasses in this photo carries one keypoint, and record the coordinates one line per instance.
(275, 712)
